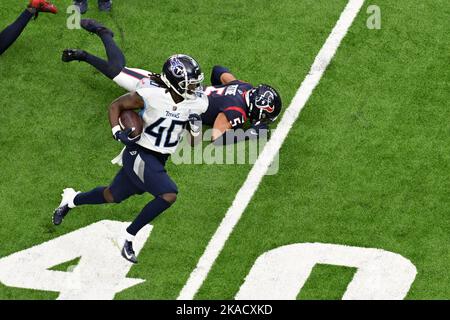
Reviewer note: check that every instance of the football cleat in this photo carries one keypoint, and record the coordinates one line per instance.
(128, 252)
(82, 5)
(73, 54)
(104, 5)
(42, 6)
(59, 214)
(93, 26)
(64, 207)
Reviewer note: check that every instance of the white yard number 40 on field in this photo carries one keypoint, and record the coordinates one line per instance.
(281, 273)
(100, 273)
(277, 274)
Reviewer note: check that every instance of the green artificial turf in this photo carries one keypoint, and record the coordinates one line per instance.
(365, 165)
(326, 282)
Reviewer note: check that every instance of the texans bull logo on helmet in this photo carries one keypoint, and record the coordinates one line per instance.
(265, 101)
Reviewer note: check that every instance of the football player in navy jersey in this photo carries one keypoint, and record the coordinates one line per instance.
(232, 102)
(10, 34)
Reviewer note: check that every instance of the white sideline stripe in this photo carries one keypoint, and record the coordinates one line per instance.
(263, 162)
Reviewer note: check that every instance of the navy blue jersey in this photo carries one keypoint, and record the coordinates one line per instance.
(230, 99)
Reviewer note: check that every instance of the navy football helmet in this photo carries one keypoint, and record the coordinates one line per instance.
(183, 74)
(264, 104)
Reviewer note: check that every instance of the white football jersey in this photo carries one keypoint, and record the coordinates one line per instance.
(164, 120)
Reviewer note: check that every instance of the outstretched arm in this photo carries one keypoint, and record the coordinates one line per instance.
(221, 75)
(221, 125)
(231, 117)
(256, 131)
(224, 133)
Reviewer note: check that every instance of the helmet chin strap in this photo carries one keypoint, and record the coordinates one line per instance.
(169, 85)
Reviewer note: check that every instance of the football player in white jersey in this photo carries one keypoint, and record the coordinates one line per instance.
(169, 101)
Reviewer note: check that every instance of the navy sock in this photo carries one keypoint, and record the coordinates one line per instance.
(94, 196)
(12, 32)
(151, 211)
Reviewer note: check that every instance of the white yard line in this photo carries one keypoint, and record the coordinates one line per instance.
(261, 166)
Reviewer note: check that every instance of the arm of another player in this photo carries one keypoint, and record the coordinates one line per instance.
(195, 129)
(232, 117)
(221, 125)
(221, 75)
(129, 101)
(256, 131)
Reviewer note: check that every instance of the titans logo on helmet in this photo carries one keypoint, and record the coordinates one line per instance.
(177, 68)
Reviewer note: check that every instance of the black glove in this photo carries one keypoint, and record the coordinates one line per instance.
(259, 128)
(124, 137)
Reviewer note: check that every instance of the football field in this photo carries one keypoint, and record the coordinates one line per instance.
(358, 207)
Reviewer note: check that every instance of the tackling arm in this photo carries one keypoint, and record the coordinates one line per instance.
(224, 134)
(256, 131)
(221, 125)
(221, 75)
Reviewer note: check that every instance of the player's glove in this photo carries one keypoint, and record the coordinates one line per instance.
(124, 136)
(195, 122)
(259, 128)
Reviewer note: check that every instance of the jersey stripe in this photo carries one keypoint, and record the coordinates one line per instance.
(133, 74)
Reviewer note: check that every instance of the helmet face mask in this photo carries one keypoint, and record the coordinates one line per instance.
(192, 86)
(264, 104)
(182, 74)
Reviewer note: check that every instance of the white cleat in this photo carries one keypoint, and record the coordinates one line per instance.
(68, 196)
(66, 204)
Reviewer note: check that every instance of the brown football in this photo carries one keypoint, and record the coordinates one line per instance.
(130, 119)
